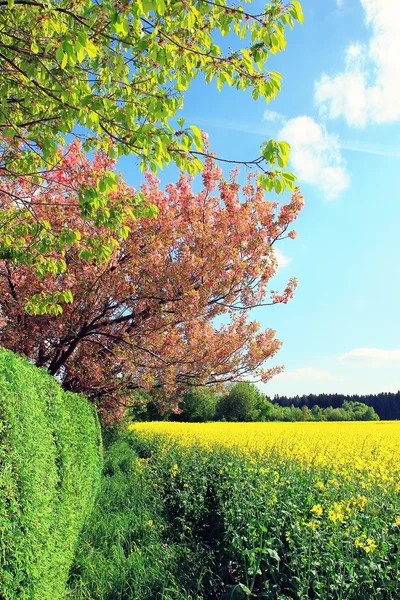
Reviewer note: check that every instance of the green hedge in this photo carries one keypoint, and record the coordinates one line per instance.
(50, 468)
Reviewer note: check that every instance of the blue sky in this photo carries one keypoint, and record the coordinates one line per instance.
(340, 110)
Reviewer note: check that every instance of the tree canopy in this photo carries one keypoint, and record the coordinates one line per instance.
(198, 405)
(113, 73)
(146, 316)
(243, 403)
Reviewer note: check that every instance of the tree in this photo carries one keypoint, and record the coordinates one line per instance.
(242, 403)
(114, 72)
(358, 411)
(267, 410)
(146, 316)
(384, 405)
(305, 413)
(198, 404)
(317, 413)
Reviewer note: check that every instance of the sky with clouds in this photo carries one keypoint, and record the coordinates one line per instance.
(340, 111)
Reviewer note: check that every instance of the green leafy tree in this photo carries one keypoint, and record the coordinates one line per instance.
(292, 414)
(114, 73)
(335, 414)
(242, 403)
(358, 411)
(317, 413)
(198, 404)
(305, 413)
(267, 410)
(370, 415)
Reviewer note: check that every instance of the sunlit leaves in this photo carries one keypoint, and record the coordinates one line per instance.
(198, 140)
(276, 153)
(112, 70)
(116, 75)
(50, 304)
(296, 11)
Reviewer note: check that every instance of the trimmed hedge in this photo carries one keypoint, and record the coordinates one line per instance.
(50, 469)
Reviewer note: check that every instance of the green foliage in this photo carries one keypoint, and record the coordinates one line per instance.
(385, 404)
(98, 65)
(125, 551)
(50, 467)
(145, 406)
(349, 411)
(360, 411)
(244, 402)
(198, 404)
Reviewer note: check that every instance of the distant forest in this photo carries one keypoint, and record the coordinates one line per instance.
(386, 404)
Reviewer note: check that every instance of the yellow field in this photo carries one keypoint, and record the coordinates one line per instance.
(310, 508)
(368, 448)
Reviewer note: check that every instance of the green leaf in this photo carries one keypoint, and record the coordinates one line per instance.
(243, 31)
(68, 297)
(8, 132)
(273, 554)
(159, 7)
(59, 53)
(236, 592)
(80, 52)
(220, 80)
(198, 139)
(289, 176)
(278, 187)
(121, 24)
(181, 84)
(86, 100)
(91, 49)
(298, 10)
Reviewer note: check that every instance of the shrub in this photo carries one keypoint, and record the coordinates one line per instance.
(50, 460)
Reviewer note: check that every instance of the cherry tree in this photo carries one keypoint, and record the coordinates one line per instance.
(168, 306)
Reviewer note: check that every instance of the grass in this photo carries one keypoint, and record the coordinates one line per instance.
(125, 551)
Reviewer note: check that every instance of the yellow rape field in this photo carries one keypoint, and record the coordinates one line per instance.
(368, 448)
(294, 510)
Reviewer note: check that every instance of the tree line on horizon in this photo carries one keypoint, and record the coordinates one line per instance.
(385, 404)
(241, 402)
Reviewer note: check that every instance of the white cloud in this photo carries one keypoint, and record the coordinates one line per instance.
(316, 155)
(371, 357)
(368, 89)
(272, 115)
(308, 374)
(282, 259)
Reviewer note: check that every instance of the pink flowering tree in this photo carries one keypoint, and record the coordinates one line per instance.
(146, 316)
